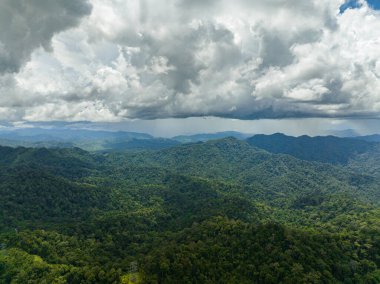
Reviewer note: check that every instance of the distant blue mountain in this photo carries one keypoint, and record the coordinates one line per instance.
(210, 136)
(344, 133)
(91, 140)
(63, 134)
(370, 138)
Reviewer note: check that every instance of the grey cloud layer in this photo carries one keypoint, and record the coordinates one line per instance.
(144, 59)
(28, 24)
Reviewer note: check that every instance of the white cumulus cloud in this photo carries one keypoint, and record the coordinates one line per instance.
(108, 60)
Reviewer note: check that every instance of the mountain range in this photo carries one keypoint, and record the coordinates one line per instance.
(263, 209)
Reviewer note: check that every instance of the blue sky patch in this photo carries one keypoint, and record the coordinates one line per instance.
(375, 4)
(354, 4)
(350, 4)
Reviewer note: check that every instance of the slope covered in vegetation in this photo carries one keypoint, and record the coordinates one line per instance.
(220, 211)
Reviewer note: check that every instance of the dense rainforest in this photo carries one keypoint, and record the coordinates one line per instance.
(269, 209)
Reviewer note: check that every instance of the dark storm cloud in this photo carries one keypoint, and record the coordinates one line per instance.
(29, 24)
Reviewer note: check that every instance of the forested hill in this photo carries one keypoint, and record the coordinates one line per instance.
(327, 149)
(370, 138)
(220, 211)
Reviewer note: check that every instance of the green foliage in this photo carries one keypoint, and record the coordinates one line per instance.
(215, 212)
(225, 251)
(328, 149)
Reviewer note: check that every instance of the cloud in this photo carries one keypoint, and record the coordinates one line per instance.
(235, 59)
(26, 25)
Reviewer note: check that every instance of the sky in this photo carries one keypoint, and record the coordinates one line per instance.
(185, 66)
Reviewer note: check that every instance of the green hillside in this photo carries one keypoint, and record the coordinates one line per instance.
(327, 149)
(220, 211)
